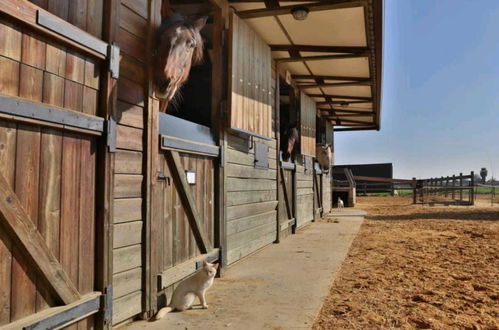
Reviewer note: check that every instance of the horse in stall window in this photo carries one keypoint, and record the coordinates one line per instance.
(178, 46)
(289, 137)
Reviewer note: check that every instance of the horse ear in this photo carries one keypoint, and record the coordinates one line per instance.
(166, 11)
(200, 23)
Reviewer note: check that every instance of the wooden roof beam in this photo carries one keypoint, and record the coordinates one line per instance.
(342, 111)
(366, 82)
(312, 76)
(321, 49)
(345, 103)
(347, 129)
(345, 97)
(351, 121)
(331, 115)
(320, 58)
(284, 10)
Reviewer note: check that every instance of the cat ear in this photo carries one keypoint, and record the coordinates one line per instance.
(215, 266)
(205, 263)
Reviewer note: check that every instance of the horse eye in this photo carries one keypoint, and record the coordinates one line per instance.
(191, 43)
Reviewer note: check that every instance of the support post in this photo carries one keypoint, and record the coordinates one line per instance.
(461, 185)
(472, 191)
(414, 190)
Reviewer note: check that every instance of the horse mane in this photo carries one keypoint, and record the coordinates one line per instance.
(178, 19)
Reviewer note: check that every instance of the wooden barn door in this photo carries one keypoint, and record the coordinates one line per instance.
(50, 131)
(183, 202)
(318, 192)
(287, 203)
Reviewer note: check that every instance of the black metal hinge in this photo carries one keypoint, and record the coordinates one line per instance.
(111, 128)
(107, 304)
(222, 156)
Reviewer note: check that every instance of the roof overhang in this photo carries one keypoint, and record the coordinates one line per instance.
(334, 55)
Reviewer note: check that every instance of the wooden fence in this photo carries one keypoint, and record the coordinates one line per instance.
(457, 189)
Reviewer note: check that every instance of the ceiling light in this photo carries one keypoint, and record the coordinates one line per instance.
(300, 13)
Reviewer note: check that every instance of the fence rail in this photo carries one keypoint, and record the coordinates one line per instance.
(457, 189)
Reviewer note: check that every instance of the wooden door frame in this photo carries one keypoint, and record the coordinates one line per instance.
(218, 115)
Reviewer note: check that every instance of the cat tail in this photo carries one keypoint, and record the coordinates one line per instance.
(162, 312)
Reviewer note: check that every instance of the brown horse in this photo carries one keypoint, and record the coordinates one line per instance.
(178, 46)
(289, 137)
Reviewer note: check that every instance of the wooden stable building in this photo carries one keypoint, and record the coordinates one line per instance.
(106, 203)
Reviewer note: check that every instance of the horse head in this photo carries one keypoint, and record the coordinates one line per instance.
(178, 46)
(289, 139)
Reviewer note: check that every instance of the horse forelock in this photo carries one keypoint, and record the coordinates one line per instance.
(181, 20)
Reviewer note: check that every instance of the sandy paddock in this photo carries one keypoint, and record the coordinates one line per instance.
(418, 267)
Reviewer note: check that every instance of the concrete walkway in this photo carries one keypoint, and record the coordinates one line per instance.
(280, 287)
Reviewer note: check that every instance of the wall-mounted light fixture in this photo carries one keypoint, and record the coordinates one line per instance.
(300, 13)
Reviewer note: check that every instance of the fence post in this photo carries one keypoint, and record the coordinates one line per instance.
(461, 185)
(453, 186)
(414, 191)
(446, 189)
(472, 195)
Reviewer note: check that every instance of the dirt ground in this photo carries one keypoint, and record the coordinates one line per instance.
(414, 266)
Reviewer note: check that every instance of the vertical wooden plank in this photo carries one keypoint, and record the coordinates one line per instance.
(70, 208)
(26, 187)
(77, 13)
(31, 83)
(87, 212)
(169, 223)
(86, 242)
(7, 169)
(90, 100)
(59, 8)
(73, 96)
(50, 197)
(55, 59)
(92, 72)
(201, 196)
(9, 76)
(53, 89)
(75, 67)
(33, 50)
(40, 3)
(244, 112)
(10, 40)
(94, 17)
(209, 186)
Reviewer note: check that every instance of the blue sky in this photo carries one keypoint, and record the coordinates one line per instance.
(440, 104)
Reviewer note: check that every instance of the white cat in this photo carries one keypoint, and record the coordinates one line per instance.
(186, 292)
(340, 203)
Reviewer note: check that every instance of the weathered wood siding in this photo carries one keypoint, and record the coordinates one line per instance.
(251, 198)
(175, 242)
(129, 166)
(307, 125)
(51, 170)
(85, 14)
(286, 214)
(326, 192)
(53, 174)
(304, 195)
(251, 64)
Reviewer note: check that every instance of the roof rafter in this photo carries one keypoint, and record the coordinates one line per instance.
(323, 5)
(346, 129)
(320, 57)
(312, 76)
(322, 49)
(346, 97)
(345, 112)
(366, 82)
